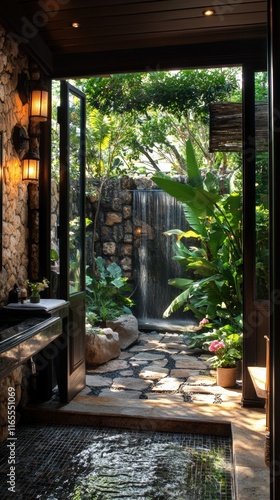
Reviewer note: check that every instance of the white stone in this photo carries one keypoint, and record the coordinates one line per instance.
(111, 366)
(130, 383)
(101, 348)
(98, 381)
(185, 361)
(167, 384)
(153, 372)
(146, 356)
(127, 328)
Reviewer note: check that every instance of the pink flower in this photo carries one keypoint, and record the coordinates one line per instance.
(216, 345)
(204, 321)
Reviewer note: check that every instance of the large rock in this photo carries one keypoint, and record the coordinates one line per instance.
(100, 348)
(127, 328)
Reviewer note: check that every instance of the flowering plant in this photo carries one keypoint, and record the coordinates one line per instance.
(37, 287)
(204, 322)
(226, 352)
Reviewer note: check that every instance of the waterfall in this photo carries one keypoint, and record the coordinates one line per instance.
(155, 212)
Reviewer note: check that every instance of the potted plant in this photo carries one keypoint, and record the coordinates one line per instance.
(226, 354)
(36, 288)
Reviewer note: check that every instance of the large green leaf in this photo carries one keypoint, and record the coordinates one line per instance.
(211, 182)
(198, 199)
(216, 239)
(180, 282)
(178, 302)
(194, 174)
(193, 220)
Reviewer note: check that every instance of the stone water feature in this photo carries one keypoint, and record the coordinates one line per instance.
(155, 212)
(133, 217)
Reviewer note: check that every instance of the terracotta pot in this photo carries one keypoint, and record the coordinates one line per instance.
(226, 377)
(35, 300)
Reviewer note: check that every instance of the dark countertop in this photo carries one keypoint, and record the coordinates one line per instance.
(25, 330)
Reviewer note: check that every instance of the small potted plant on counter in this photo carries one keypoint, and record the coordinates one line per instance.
(36, 288)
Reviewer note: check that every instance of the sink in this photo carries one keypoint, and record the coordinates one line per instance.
(26, 330)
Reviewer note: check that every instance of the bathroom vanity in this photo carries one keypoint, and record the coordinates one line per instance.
(33, 332)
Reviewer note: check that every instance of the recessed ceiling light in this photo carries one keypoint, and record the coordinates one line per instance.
(208, 12)
(75, 25)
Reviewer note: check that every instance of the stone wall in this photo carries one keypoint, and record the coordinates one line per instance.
(114, 231)
(15, 211)
(15, 198)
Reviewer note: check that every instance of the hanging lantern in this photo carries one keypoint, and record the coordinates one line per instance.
(30, 166)
(38, 104)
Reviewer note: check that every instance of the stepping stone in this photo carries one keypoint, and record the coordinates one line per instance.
(200, 380)
(180, 373)
(126, 373)
(185, 361)
(204, 398)
(151, 336)
(167, 384)
(143, 348)
(160, 362)
(153, 372)
(111, 366)
(98, 381)
(124, 355)
(147, 356)
(130, 383)
(178, 398)
(166, 350)
(107, 393)
(138, 363)
(172, 345)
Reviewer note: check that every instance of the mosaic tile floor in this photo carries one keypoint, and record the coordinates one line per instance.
(83, 463)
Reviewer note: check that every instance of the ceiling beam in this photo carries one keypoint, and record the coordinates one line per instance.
(231, 53)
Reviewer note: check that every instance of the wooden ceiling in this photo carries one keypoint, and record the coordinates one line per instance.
(131, 34)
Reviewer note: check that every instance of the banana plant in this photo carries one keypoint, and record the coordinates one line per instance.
(211, 251)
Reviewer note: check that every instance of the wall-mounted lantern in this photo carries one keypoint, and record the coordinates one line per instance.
(30, 166)
(36, 95)
(38, 104)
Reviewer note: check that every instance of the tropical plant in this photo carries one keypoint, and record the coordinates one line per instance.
(163, 109)
(262, 252)
(213, 259)
(108, 295)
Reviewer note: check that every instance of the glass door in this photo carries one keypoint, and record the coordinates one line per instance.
(68, 235)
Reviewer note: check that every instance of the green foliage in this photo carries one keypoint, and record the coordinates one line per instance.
(213, 287)
(54, 254)
(262, 252)
(155, 113)
(107, 296)
(175, 91)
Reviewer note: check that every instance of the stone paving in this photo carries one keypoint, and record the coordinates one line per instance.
(159, 366)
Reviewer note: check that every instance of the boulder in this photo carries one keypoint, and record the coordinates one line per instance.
(102, 347)
(127, 328)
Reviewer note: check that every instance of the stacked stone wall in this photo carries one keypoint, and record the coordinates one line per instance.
(14, 265)
(15, 210)
(113, 239)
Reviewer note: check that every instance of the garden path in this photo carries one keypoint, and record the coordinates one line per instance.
(160, 366)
